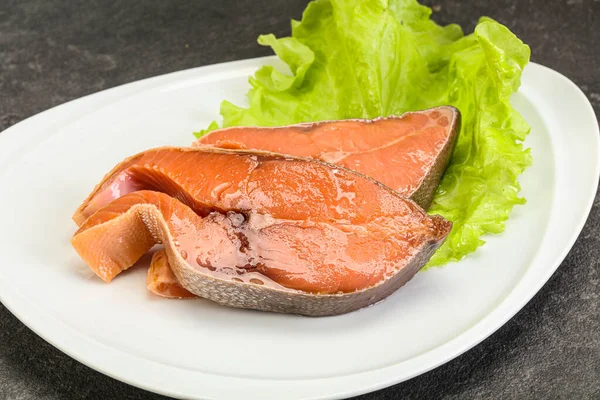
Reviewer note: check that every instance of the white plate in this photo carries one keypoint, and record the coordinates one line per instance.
(196, 349)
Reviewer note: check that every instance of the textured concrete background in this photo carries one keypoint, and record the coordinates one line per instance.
(52, 51)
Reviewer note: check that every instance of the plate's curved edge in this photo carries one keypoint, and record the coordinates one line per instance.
(101, 99)
(322, 388)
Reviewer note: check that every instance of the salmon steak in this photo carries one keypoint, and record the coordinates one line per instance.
(258, 230)
(408, 153)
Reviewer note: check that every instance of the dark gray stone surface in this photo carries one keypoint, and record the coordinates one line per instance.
(52, 51)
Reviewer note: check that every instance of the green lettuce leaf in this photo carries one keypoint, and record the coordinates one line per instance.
(370, 58)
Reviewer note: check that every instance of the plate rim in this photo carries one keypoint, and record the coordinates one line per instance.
(47, 326)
